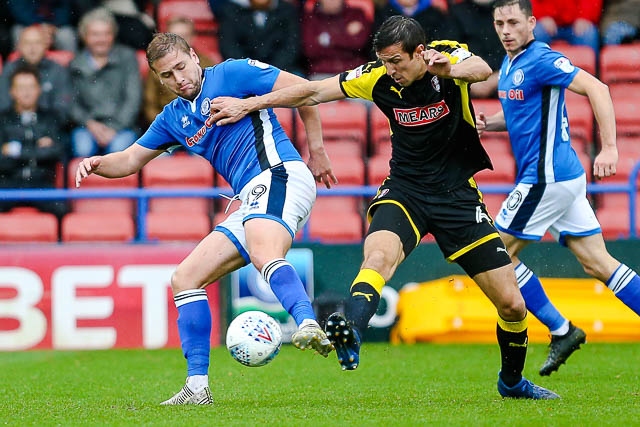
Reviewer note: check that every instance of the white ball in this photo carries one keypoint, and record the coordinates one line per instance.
(254, 338)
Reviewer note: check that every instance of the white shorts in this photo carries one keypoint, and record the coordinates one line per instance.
(561, 208)
(284, 193)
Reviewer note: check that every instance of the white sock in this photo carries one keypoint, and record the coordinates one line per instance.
(197, 382)
(562, 330)
(307, 322)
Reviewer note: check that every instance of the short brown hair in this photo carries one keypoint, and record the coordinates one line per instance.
(164, 43)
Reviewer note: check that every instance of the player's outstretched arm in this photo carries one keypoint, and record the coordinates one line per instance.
(494, 123)
(229, 110)
(116, 165)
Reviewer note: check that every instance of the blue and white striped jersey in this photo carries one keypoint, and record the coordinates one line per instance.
(531, 89)
(238, 151)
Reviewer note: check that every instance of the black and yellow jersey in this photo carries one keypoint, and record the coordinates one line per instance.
(434, 140)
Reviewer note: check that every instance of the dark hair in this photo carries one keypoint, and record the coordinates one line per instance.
(524, 5)
(25, 68)
(162, 44)
(399, 29)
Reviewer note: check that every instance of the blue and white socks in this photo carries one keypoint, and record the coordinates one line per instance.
(538, 302)
(288, 288)
(194, 327)
(625, 284)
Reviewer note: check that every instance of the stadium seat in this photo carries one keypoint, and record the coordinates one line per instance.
(26, 224)
(380, 131)
(208, 45)
(196, 10)
(97, 226)
(338, 204)
(178, 171)
(348, 169)
(614, 220)
(344, 148)
(377, 169)
(143, 65)
(581, 56)
(345, 227)
(504, 168)
(190, 226)
(620, 63)
(346, 119)
(627, 113)
(95, 182)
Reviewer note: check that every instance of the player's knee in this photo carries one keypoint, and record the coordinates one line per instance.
(512, 309)
(180, 281)
(380, 261)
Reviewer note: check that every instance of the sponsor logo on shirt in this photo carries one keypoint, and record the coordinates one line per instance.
(197, 137)
(421, 115)
(512, 94)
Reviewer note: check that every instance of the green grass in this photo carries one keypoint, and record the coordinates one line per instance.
(448, 385)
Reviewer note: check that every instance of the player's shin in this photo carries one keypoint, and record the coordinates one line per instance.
(194, 327)
(365, 297)
(288, 288)
(513, 341)
(625, 284)
(538, 303)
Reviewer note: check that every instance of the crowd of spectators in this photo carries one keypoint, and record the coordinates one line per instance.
(98, 100)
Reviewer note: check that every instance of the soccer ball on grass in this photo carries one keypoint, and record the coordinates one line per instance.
(254, 338)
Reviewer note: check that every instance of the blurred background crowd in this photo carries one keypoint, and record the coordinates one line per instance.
(74, 80)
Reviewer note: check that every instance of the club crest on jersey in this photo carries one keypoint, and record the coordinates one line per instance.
(419, 116)
(205, 107)
(185, 121)
(435, 83)
(518, 77)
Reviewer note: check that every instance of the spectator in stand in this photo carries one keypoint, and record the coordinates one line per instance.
(107, 89)
(267, 31)
(55, 17)
(55, 85)
(136, 26)
(434, 20)
(574, 21)
(156, 95)
(473, 23)
(620, 21)
(335, 38)
(32, 142)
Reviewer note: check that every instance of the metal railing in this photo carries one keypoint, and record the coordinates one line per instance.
(142, 195)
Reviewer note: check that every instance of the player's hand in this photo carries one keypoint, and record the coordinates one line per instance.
(320, 166)
(481, 123)
(226, 110)
(86, 167)
(437, 63)
(605, 162)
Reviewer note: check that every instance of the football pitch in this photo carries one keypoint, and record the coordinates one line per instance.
(405, 385)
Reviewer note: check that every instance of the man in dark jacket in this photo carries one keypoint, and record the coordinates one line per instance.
(31, 142)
